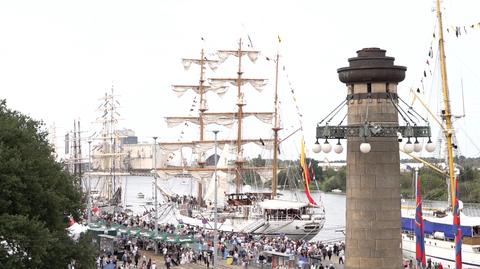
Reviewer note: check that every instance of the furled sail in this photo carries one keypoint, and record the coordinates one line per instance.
(265, 175)
(222, 180)
(224, 54)
(225, 119)
(175, 121)
(257, 83)
(213, 64)
(203, 146)
(180, 90)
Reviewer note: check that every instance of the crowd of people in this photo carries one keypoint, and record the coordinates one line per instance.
(239, 248)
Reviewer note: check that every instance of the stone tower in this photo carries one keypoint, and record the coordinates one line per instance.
(373, 238)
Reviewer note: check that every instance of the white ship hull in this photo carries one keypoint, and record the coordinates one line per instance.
(296, 229)
(442, 251)
(293, 229)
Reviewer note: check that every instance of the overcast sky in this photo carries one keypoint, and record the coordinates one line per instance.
(57, 58)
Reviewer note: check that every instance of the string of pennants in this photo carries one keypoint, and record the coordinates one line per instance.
(290, 86)
(182, 131)
(429, 60)
(462, 30)
(427, 69)
(294, 97)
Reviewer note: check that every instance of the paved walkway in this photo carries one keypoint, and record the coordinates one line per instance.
(222, 263)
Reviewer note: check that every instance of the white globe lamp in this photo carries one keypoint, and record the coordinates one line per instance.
(417, 147)
(408, 147)
(316, 147)
(430, 147)
(365, 147)
(326, 147)
(338, 148)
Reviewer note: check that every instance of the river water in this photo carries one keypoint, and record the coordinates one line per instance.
(133, 185)
(334, 203)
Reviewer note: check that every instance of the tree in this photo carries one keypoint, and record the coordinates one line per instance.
(468, 174)
(35, 195)
(334, 179)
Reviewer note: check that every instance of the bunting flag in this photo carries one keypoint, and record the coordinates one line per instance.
(306, 174)
(458, 230)
(462, 30)
(419, 234)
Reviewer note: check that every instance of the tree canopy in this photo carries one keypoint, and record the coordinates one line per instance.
(36, 195)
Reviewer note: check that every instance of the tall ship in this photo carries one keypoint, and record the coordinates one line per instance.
(447, 236)
(231, 185)
(107, 169)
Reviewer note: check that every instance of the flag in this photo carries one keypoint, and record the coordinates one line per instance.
(250, 41)
(458, 230)
(419, 235)
(312, 171)
(306, 174)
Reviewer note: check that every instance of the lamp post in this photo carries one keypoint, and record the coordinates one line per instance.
(373, 159)
(155, 189)
(89, 202)
(215, 234)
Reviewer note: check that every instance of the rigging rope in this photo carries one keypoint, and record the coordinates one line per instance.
(396, 108)
(342, 103)
(339, 109)
(410, 108)
(344, 117)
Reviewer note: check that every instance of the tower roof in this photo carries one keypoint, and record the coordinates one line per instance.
(371, 65)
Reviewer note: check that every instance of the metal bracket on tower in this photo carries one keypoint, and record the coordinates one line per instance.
(371, 130)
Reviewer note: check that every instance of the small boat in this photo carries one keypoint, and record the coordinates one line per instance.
(140, 195)
(337, 191)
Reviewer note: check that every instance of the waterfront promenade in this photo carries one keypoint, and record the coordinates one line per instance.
(160, 261)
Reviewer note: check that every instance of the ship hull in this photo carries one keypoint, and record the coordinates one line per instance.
(293, 229)
(443, 251)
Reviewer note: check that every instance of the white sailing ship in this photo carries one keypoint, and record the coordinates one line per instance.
(107, 170)
(239, 209)
(439, 239)
(440, 229)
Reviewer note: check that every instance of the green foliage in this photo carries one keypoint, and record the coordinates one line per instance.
(407, 185)
(334, 179)
(468, 174)
(290, 177)
(35, 195)
(434, 185)
(259, 161)
(26, 241)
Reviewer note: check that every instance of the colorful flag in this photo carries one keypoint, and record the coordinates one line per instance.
(420, 246)
(306, 174)
(458, 230)
(312, 171)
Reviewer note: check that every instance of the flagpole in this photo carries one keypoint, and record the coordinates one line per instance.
(458, 230)
(419, 232)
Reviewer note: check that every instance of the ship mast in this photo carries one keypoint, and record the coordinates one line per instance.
(240, 104)
(106, 153)
(201, 90)
(446, 113)
(275, 129)
(203, 105)
(227, 119)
